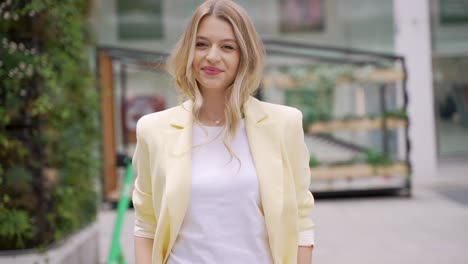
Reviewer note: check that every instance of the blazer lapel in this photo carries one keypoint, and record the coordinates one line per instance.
(265, 147)
(179, 169)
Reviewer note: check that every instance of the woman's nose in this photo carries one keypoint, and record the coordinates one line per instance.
(213, 54)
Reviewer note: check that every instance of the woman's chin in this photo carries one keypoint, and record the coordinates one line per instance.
(213, 87)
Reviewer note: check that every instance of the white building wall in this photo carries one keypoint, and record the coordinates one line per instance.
(413, 41)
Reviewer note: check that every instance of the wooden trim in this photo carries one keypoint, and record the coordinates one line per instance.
(385, 76)
(108, 126)
(284, 81)
(356, 124)
(357, 170)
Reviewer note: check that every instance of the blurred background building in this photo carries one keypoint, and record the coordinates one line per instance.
(430, 34)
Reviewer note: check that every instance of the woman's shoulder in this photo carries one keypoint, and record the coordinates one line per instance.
(157, 120)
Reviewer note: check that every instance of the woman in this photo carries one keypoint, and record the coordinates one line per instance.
(222, 178)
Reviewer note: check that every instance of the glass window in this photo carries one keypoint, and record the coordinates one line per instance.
(305, 15)
(450, 61)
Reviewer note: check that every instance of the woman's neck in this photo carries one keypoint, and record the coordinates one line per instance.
(212, 110)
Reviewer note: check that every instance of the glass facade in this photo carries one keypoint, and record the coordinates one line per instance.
(362, 24)
(156, 26)
(449, 19)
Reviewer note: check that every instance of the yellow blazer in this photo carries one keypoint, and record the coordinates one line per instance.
(162, 160)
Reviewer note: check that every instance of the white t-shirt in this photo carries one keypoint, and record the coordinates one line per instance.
(224, 222)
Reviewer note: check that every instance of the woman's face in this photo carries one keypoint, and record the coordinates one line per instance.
(217, 55)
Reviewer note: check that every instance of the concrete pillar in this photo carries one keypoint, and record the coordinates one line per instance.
(413, 41)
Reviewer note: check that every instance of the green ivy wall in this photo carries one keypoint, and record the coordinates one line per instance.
(49, 122)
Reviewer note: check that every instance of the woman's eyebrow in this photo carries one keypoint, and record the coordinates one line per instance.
(224, 40)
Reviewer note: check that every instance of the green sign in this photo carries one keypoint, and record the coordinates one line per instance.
(139, 19)
(453, 12)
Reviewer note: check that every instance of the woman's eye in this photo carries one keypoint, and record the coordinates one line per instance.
(228, 47)
(200, 44)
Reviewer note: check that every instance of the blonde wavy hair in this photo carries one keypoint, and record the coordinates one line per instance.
(250, 68)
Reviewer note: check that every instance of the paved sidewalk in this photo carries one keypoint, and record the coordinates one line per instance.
(106, 219)
(429, 228)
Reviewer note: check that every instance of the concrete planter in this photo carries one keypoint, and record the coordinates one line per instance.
(81, 247)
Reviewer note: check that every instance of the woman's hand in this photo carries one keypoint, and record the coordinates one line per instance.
(143, 250)
(304, 255)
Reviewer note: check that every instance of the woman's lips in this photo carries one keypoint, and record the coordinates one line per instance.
(211, 70)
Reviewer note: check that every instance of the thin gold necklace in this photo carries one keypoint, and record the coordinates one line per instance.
(216, 121)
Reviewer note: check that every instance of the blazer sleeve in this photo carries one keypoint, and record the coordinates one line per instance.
(301, 171)
(145, 221)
